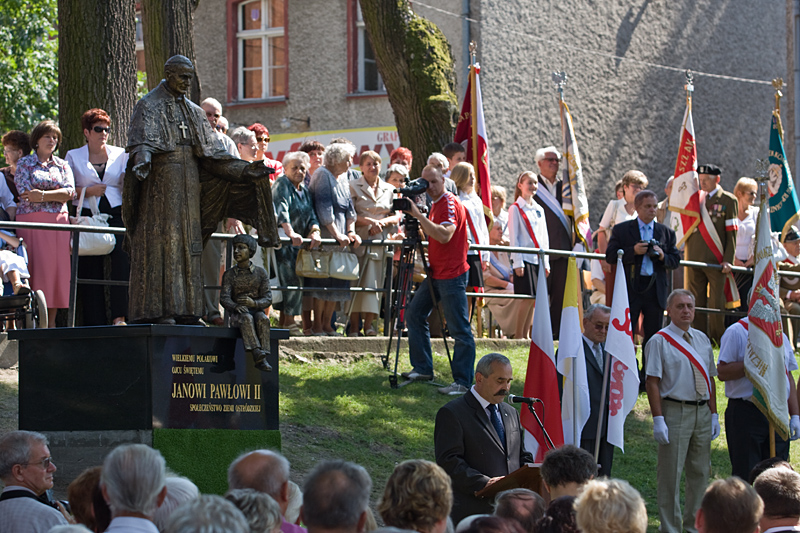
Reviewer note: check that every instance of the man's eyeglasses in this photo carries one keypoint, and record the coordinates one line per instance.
(44, 463)
(600, 326)
(216, 115)
(101, 129)
(219, 128)
(551, 159)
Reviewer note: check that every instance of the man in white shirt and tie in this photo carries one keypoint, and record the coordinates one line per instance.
(682, 395)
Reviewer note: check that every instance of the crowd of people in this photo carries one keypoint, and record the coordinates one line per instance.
(133, 491)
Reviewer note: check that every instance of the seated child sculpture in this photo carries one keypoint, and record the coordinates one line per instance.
(245, 294)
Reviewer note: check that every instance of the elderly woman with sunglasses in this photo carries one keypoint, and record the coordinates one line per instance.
(45, 185)
(99, 170)
(262, 141)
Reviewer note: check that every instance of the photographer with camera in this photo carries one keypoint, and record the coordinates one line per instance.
(648, 253)
(446, 228)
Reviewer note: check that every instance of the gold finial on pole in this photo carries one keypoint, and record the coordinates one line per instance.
(689, 84)
(778, 84)
(473, 50)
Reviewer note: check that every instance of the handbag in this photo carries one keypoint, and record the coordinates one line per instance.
(92, 243)
(312, 263)
(274, 281)
(344, 265)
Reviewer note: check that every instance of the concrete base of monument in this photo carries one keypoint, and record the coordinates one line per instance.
(92, 388)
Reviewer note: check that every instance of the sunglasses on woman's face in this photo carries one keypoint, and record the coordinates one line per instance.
(101, 129)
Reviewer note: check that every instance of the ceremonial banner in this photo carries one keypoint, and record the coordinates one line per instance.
(571, 363)
(783, 204)
(573, 193)
(624, 376)
(764, 360)
(541, 379)
(471, 132)
(689, 202)
(685, 197)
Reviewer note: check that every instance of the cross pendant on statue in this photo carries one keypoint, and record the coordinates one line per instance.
(183, 129)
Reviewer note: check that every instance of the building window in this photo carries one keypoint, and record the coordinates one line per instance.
(261, 49)
(365, 75)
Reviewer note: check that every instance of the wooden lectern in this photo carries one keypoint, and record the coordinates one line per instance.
(526, 477)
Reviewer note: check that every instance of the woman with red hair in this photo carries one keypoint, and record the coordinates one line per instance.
(262, 141)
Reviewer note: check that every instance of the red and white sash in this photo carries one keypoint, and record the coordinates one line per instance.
(527, 224)
(688, 350)
(471, 227)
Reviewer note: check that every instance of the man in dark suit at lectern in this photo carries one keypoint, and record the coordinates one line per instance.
(595, 329)
(649, 252)
(478, 438)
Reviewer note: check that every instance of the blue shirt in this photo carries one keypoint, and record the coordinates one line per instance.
(646, 233)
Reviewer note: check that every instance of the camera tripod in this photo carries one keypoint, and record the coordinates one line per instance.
(405, 281)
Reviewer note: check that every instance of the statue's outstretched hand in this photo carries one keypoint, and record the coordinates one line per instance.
(141, 165)
(257, 170)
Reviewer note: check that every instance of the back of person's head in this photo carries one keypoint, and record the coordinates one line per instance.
(242, 135)
(72, 528)
(451, 149)
(779, 489)
(80, 495)
(335, 496)
(766, 464)
(568, 464)
(417, 496)
(207, 514)
(262, 512)
(179, 491)
(522, 505)
(15, 449)
(730, 506)
(559, 517)
(292, 514)
(494, 524)
(610, 506)
(266, 471)
(132, 478)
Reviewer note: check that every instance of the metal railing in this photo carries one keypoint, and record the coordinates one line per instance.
(76, 230)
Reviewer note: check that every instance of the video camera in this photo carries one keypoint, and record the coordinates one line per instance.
(411, 193)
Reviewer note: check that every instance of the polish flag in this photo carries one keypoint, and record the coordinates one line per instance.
(624, 376)
(541, 380)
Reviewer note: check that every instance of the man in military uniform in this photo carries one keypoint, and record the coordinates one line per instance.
(790, 285)
(708, 285)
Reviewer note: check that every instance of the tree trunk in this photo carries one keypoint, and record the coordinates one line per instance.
(97, 66)
(416, 63)
(168, 29)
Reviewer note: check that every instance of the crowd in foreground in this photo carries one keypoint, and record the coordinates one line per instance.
(133, 492)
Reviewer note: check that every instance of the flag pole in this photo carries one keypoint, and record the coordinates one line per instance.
(778, 84)
(473, 106)
(761, 177)
(603, 391)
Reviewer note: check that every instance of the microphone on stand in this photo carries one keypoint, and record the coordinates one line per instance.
(522, 399)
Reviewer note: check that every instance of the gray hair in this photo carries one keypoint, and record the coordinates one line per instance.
(335, 495)
(440, 158)
(262, 512)
(484, 366)
(268, 476)
(179, 491)
(296, 156)
(242, 135)
(679, 292)
(207, 514)
(295, 503)
(72, 528)
(587, 314)
(133, 476)
(541, 152)
(213, 102)
(399, 169)
(15, 449)
(338, 153)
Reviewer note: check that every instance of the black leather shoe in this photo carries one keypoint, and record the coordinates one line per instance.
(264, 366)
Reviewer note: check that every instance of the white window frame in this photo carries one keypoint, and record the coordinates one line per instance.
(361, 40)
(265, 34)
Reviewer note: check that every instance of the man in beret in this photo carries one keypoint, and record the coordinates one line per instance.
(708, 285)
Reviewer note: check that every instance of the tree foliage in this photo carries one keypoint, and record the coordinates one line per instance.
(417, 67)
(28, 63)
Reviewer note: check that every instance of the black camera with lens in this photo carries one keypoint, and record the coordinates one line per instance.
(651, 253)
(411, 193)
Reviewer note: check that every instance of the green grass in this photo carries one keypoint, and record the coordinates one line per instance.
(348, 411)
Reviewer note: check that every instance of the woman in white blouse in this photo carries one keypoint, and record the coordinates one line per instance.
(620, 210)
(526, 228)
(463, 175)
(746, 191)
(99, 170)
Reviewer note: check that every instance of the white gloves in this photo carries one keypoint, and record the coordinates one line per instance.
(660, 431)
(715, 429)
(794, 427)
